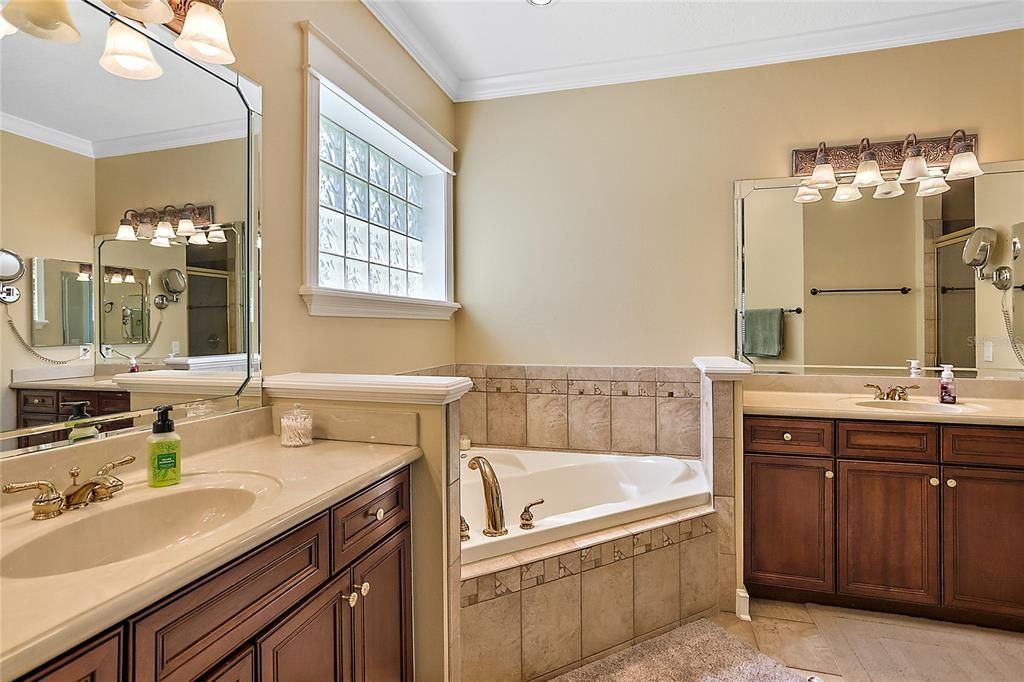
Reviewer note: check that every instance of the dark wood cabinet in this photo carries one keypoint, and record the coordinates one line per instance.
(41, 407)
(788, 436)
(382, 633)
(788, 515)
(239, 668)
(888, 440)
(990, 446)
(888, 531)
(97, 661)
(983, 540)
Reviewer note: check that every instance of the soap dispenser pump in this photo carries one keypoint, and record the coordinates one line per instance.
(947, 386)
(164, 450)
(915, 368)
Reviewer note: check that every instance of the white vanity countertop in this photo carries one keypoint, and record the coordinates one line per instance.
(94, 383)
(42, 617)
(984, 411)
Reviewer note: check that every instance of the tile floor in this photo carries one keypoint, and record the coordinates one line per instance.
(843, 644)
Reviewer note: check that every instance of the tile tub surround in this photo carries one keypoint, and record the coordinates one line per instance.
(541, 612)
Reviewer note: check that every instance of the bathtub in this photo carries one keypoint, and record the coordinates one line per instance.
(582, 492)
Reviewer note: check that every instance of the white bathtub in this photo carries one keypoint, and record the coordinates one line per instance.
(582, 493)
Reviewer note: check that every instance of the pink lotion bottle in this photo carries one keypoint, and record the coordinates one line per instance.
(947, 386)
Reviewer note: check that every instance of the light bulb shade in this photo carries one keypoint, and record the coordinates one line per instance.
(807, 195)
(146, 11)
(932, 187)
(198, 239)
(915, 169)
(868, 174)
(823, 177)
(129, 278)
(216, 235)
(964, 165)
(125, 233)
(46, 19)
(164, 229)
(162, 242)
(6, 28)
(204, 36)
(83, 276)
(846, 193)
(186, 227)
(888, 190)
(127, 54)
(116, 278)
(145, 230)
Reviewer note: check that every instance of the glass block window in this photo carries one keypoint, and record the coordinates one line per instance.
(370, 218)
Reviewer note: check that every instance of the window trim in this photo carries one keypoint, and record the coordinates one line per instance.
(326, 60)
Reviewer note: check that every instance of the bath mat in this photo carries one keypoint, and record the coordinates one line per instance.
(697, 652)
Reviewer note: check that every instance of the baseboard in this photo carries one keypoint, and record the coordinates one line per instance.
(742, 604)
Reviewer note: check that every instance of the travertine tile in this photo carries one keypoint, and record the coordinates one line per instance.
(506, 385)
(740, 629)
(551, 626)
(795, 644)
(541, 552)
(677, 374)
(580, 387)
(606, 553)
(725, 465)
(698, 574)
(485, 566)
(672, 389)
(589, 422)
(808, 674)
(722, 408)
(547, 421)
(492, 626)
(607, 606)
(646, 374)
(655, 633)
(655, 589)
(602, 536)
(471, 371)
(726, 512)
(453, 427)
(782, 610)
(453, 513)
(727, 583)
(506, 419)
(550, 569)
(606, 653)
(506, 371)
(637, 389)
(633, 424)
(551, 386)
(547, 372)
(473, 416)
(678, 426)
(590, 373)
(555, 673)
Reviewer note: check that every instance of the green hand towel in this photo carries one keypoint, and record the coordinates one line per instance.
(763, 333)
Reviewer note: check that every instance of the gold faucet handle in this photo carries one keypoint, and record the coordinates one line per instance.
(526, 518)
(48, 502)
(110, 466)
(74, 473)
(879, 393)
(901, 391)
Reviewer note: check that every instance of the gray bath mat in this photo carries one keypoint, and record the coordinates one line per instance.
(697, 652)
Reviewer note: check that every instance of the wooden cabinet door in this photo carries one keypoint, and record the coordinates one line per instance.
(888, 531)
(314, 643)
(99, 661)
(983, 540)
(788, 517)
(239, 668)
(383, 616)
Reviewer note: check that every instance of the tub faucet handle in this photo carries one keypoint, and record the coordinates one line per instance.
(526, 518)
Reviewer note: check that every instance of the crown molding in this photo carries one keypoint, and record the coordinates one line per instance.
(379, 388)
(50, 136)
(991, 17)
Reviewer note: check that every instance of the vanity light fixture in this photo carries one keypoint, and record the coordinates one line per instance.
(46, 19)
(868, 173)
(145, 11)
(204, 35)
(164, 230)
(823, 176)
(964, 163)
(186, 228)
(129, 277)
(116, 277)
(807, 195)
(845, 193)
(127, 54)
(162, 242)
(216, 235)
(198, 239)
(84, 273)
(931, 187)
(888, 190)
(915, 168)
(126, 231)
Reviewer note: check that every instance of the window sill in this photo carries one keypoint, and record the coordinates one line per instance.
(323, 302)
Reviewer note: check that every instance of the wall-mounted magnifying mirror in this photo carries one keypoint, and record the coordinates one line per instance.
(174, 283)
(978, 249)
(12, 267)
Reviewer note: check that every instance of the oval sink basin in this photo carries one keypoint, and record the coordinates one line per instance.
(150, 521)
(918, 407)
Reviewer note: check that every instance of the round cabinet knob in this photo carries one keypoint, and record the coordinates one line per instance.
(829, 474)
(364, 589)
(380, 514)
(951, 483)
(352, 599)
(787, 436)
(36, 401)
(933, 481)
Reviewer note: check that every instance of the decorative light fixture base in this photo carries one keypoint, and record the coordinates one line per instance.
(889, 154)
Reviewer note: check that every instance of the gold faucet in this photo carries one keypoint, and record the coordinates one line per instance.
(492, 498)
(894, 392)
(100, 487)
(48, 502)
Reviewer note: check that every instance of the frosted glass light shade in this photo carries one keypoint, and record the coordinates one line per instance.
(186, 228)
(6, 28)
(931, 187)
(125, 233)
(198, 239)
(216, 235)
(915, 169)
(46, 19)
(888, 190)
(204, 36)
(823, 177)
(807, 195)
(116, 278)
(846, 193)
(964, 165)
(163, 229)
(162, 242)
(145, 231)
(83, 276)
(868, 174)
(127, 54)
(146, 11)
(129, 278)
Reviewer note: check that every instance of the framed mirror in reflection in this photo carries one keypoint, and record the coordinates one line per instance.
(94, 166)
(854, 287)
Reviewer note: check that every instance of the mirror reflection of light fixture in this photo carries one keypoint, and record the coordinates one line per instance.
(868, 173)
(84, 273)
(129, 277)
(807, 195)
(964, 163)
(915, 168)
(216, 235)
(823, 177)
(46, 19)
(116, 277)
(164, 229)
(186, 227)
(204, 35)
(198, 239)
(162, 242)
(845, 193)
(127, 54)
(146, 11)
(888, 190)
(932, 187)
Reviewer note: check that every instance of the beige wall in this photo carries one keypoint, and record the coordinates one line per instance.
(596, 225)
(269, 51)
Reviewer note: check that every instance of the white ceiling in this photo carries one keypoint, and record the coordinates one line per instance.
(482, 49)
(60, 95)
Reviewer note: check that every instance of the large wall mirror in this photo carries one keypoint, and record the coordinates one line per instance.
(132, 202)
(866, 286)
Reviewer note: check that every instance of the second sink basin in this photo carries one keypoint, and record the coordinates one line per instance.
(138, 521)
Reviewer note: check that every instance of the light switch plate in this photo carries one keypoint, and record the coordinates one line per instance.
(987, 350)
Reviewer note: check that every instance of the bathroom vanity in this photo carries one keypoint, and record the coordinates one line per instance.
(40, 403)
(923, 518)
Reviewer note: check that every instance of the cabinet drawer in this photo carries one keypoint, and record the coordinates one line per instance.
(888, 440)
(74, 397)
(111, 402)
(185, 636)
(99, 661)
(362, 521)
(787, 436)
(999, 446)
(38, 401)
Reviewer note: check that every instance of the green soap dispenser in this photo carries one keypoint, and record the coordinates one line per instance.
(79, 430)
(164, 450)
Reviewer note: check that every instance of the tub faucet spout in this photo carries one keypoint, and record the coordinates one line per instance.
(492, 497)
